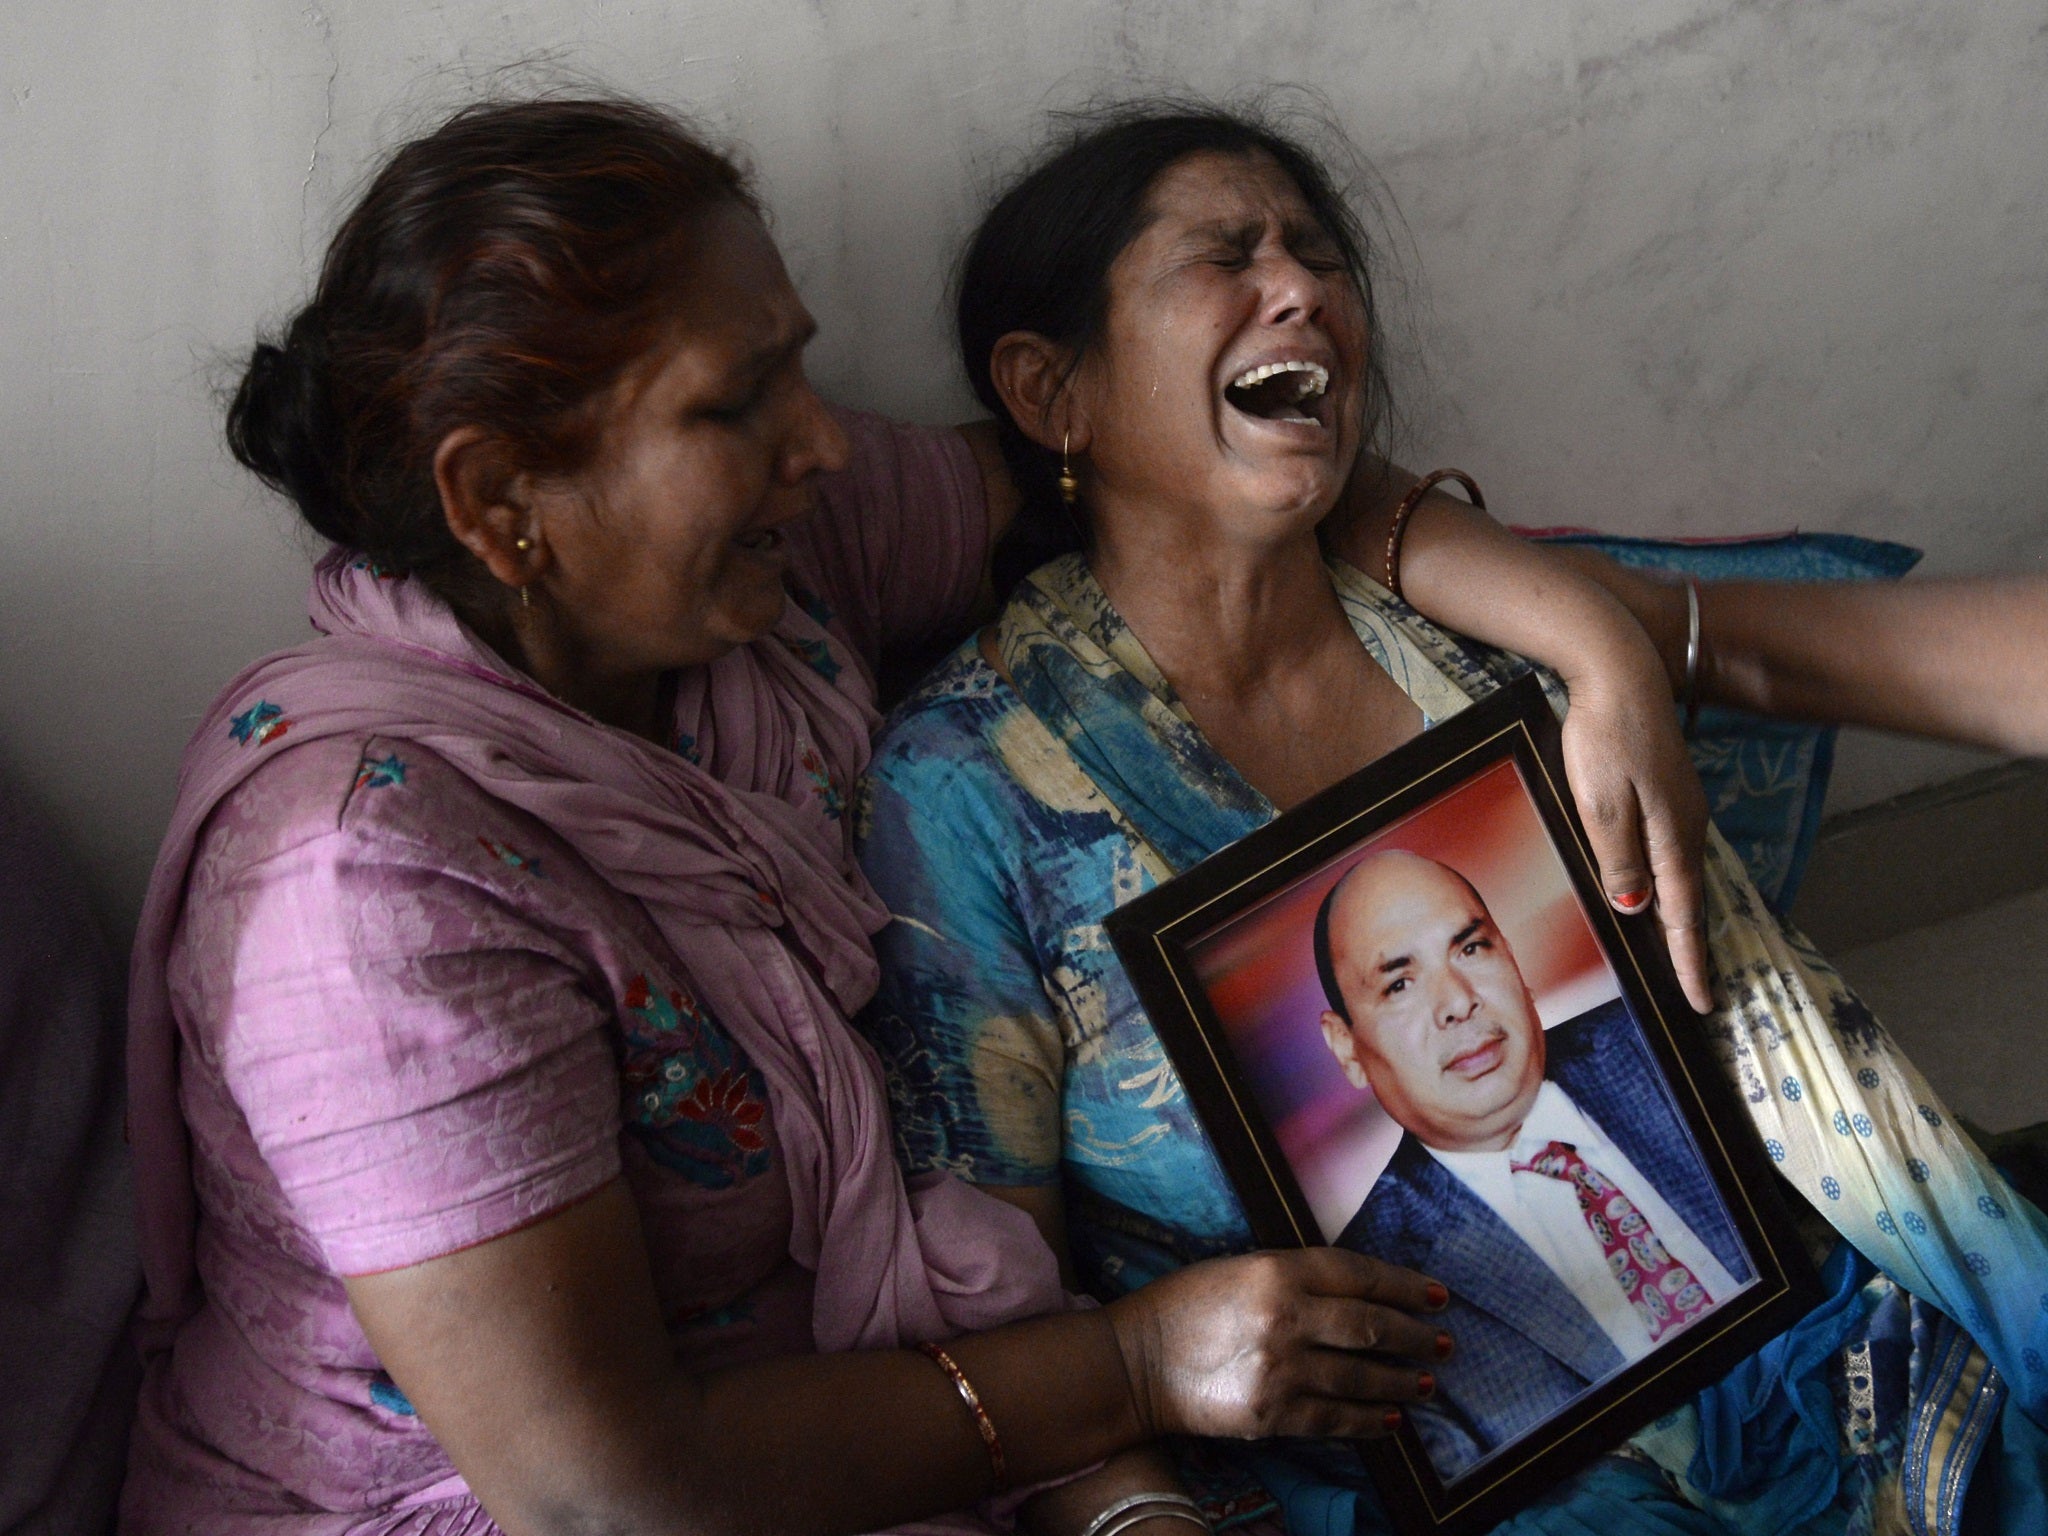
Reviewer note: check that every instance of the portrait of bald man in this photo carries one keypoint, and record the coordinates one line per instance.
(1543, 1176)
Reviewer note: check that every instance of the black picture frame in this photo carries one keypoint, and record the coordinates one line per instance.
(1158, 936)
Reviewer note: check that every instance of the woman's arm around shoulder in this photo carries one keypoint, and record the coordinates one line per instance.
(899, 544)
(1000, 492)
(1636, 789)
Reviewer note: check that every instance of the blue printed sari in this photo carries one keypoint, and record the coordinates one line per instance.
(1004, 815)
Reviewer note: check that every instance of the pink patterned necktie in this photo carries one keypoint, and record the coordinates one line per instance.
(1663, 1291)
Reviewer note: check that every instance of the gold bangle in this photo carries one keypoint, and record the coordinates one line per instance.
(982, 1422)
(1407, 508)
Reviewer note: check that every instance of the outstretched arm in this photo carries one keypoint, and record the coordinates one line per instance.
(1961, 659)
(1636, 789)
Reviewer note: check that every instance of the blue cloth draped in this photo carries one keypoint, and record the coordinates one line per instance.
(1002, 818)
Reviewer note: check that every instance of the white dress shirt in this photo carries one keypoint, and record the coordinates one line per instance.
(1544, 1213)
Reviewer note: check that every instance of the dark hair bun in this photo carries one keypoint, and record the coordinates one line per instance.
(277, 425)
(499, 273)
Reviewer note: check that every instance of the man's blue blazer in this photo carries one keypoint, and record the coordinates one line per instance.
(1525, 1346)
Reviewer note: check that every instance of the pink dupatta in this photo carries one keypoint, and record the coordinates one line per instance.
(759, 898)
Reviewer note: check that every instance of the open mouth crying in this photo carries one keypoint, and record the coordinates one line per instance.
(1292, 391)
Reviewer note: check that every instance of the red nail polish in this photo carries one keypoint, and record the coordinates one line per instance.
(1424, 1384)
(1439, 1297)
(1392, 1421)
(1443, 1346)
(1633, 902)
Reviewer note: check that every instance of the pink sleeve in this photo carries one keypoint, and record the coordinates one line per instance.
(900, 538)
(420, 1064)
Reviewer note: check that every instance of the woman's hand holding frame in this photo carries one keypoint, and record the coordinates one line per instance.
(1245, 913)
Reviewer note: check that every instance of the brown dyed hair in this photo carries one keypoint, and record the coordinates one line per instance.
(500, 272)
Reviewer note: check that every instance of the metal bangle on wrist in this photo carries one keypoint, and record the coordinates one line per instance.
(1691, 696)
(1153, 1512)
(1140, 1507)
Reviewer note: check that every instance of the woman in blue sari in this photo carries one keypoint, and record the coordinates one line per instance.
(1170, 316)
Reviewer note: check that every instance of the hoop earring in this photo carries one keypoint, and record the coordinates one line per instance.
(1070, 488)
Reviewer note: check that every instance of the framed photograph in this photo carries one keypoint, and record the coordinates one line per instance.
(1413, 1026)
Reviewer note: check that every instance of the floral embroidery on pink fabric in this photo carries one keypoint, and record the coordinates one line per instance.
(816, 655)
(692, 1099)
(380, 772)
(261, 722)
(510, 857)
(728, 1103)
(809, 601)
(823, 784)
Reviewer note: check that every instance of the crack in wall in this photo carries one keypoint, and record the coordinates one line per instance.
(316, 15)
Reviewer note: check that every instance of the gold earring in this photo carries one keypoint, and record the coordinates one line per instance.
(524, 545)
(1070, 488)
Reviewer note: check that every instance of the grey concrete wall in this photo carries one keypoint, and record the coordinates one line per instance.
(1674, 266)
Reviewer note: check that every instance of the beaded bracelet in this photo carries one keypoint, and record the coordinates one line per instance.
(1140, 1507)
(1407, 508)
(982, 1422)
